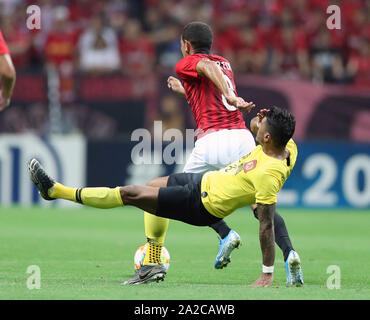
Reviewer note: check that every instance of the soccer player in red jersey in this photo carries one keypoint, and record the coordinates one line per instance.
(207, 83)
(7, 74)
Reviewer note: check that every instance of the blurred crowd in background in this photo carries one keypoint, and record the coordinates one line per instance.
(138, 38)
(135, 37)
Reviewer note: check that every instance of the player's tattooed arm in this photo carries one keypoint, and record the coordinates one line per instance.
(267, 241)
(266, 214)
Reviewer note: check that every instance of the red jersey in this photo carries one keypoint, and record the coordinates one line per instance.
(210, 109)
(3, 47)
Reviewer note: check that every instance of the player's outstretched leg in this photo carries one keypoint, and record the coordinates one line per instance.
(143, 197)
(105, 198)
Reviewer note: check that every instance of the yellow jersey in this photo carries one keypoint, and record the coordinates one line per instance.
(255, 178)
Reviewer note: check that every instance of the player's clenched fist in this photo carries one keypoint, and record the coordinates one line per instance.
(175, 85)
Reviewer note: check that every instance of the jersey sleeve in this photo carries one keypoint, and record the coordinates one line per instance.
(267, 186)
(3, 47)
(186, 68)
(292, 147)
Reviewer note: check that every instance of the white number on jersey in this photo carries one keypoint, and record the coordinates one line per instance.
(228, 106)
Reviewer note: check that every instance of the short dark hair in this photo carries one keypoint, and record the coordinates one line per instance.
(200, 35)
(281, 126)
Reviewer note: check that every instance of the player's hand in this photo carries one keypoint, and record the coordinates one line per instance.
(265, 280)
(239, 103)
(175, 85)
(245, 106)
(262, 114)
(4, 102)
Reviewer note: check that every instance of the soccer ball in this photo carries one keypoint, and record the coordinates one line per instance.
(140, 256)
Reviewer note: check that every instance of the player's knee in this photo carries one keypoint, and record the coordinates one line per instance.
(158, 182)
(151, 183)
(128, 194)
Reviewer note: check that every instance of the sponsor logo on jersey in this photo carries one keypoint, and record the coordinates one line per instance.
(250, 165)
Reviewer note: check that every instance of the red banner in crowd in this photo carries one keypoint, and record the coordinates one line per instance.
(321, 111)
(339, 112)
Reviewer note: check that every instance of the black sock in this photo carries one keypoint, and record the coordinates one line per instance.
(281, 234)
(221, 228)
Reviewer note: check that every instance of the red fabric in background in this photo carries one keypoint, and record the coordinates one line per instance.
(3, 47)
(60, 47)
(135, 53)
(17, 38)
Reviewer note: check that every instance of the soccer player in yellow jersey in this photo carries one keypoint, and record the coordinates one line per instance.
(204, 199)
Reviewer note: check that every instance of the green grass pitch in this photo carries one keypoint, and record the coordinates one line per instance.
(85, 254)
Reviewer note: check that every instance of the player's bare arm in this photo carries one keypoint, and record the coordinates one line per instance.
(211, 70)
(175, 85)
(267, 242)
(7, 78)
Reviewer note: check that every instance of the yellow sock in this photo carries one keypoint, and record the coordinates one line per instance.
(104, 198)
(155, 227)
(153, 253)
(155, 231)
(58, 191)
